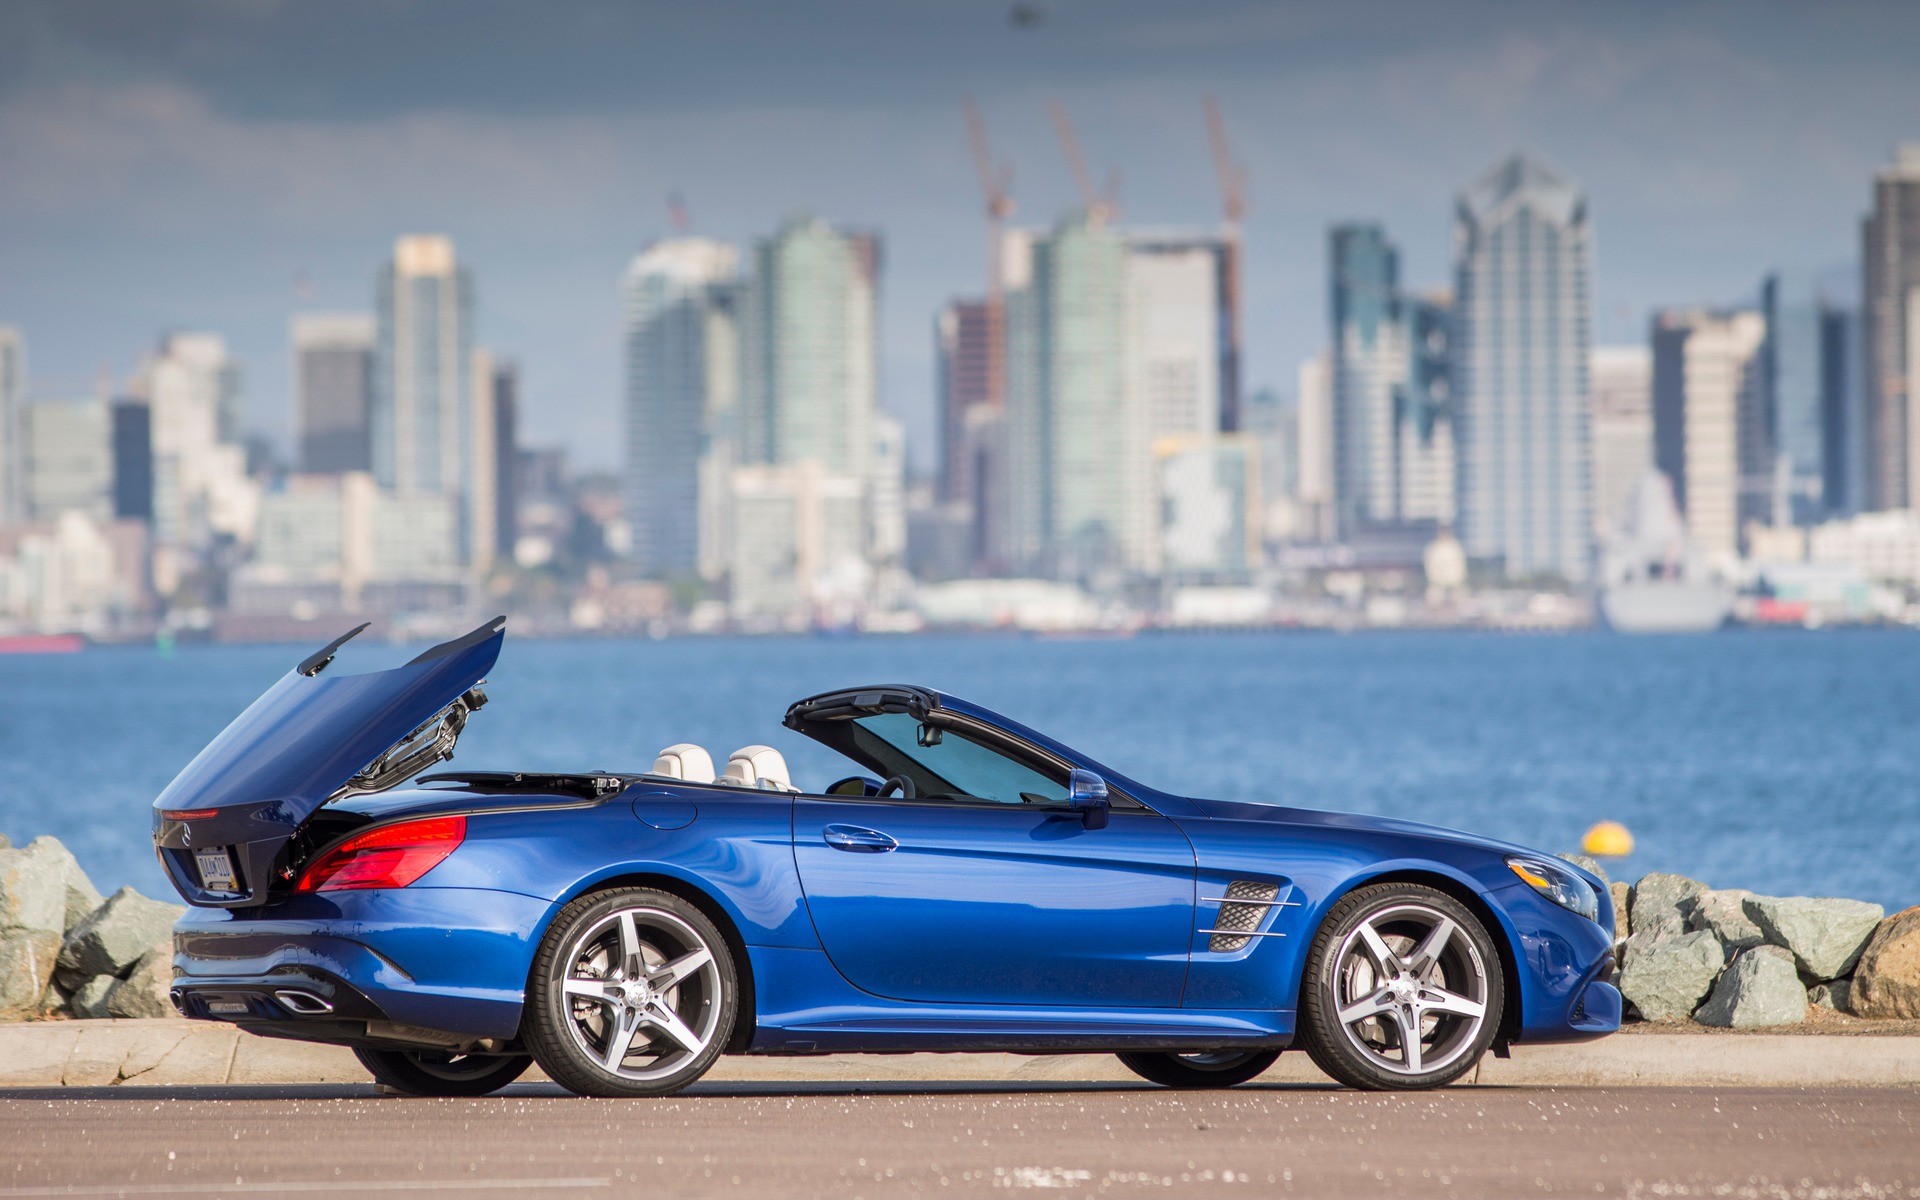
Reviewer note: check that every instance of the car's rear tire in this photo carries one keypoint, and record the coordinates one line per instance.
(1393, 960)
(434, 1073)
(1200, 1068)
(633, 993)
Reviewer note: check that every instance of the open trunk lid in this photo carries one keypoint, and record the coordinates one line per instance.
(224, 826)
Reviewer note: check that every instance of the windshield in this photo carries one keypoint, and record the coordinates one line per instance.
(956, 768)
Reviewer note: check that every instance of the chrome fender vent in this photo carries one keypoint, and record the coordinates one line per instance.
(1242, 909)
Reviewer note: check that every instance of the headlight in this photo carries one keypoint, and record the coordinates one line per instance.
(1558, 884)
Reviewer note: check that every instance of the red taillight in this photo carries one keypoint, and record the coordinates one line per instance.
(392, 856)
(190, 814)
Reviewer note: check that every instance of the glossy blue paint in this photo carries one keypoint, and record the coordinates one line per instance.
(279, 761)
(999, 904)
(865, 922)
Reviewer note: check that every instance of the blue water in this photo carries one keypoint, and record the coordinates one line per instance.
(1786, 763)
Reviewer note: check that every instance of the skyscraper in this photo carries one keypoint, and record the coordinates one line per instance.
(1315, 480)
(13, 394)
(1524, 320)
(1080, 482)
(1842, 447)
(1710, 425)
(1889, 349)
(973, 462)
(132, 460)
(1392, 370)
(1179, 331)
(506, 457)
(1369, 360)
(808, 329)
(201, 490)
(1426, 459)
(1622, 428)
(69, 459)
(962, 346)
(681, 392)
(333, 391)
(426, 435)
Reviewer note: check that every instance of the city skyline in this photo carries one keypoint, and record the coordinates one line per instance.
(264, 188)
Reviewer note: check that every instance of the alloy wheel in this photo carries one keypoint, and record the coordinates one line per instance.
(642, 993)
(1410, 990)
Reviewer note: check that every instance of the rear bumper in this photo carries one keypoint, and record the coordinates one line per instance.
(419, 960)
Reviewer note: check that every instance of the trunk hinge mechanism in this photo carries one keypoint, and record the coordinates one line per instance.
(431, 743)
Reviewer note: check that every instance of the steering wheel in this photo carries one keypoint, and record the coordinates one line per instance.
(898, 783)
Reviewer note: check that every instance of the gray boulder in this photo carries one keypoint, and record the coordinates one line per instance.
(1836, 996)
(26, 968)
(91, 1000)
(1825, 936)
(56, 1001)
(33, 916)
(33, 887)
(1666, 977)
(118, 934)
(1588, 863)
(1761, 989)
(1723, 913)
(1622, 894)
(1661, 904)
(83, 899)
(144, 992)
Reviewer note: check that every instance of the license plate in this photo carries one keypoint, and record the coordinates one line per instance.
(216, 870)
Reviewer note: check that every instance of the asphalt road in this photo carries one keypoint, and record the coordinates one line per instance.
(916, 1139)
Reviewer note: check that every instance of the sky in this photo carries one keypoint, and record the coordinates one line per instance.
(223, 164)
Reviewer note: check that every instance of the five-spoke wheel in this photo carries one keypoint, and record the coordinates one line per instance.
(1403, 989)
(632, 994)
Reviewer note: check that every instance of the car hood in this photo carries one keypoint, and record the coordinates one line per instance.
(1238, 810)
(310, 738)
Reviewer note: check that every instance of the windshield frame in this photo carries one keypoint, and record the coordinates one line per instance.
(837, 733)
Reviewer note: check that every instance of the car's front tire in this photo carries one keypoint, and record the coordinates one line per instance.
(1200, 1068)
(433, 1073)
(1403, 989)
(633, 993)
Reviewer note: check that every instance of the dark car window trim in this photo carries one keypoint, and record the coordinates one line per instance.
(836, 734)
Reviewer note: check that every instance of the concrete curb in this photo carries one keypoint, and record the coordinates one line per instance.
(182, 1053)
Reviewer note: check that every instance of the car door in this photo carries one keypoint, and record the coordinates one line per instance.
(984, 888)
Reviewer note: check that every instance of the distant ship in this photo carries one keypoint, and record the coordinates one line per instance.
(1652, 580)
(42, 643)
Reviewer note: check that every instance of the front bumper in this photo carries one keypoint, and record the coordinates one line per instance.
(395, 964)
(1565, 962)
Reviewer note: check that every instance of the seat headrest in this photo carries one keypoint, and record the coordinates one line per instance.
(759, 767)
(684, 760)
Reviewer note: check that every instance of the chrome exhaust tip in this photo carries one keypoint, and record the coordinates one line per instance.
(304, 1004)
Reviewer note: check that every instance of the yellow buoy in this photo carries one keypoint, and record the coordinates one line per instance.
(1608, 839)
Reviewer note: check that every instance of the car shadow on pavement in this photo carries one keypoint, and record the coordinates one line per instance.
(729, 1090)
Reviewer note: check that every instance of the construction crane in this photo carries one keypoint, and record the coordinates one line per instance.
(1102, 206)
(1233, 201)
(996, 182)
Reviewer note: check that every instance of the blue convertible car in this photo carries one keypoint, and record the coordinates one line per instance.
(972, 885)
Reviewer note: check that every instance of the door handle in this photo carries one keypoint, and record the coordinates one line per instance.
(857, 840)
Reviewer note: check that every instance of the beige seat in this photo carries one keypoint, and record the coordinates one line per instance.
(684, 760)
(758, 767)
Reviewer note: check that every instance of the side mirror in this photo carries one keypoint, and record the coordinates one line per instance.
(1087, 795)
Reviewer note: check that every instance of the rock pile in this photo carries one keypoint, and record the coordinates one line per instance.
(1737, 960)
(65, 952)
